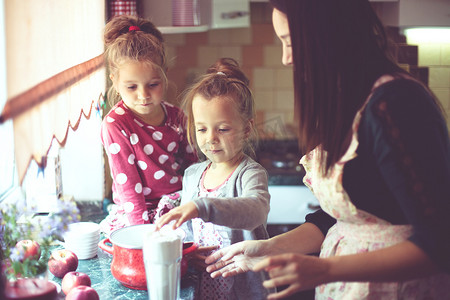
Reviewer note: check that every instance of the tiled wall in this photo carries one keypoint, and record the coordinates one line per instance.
(258, 51)
(437, 57)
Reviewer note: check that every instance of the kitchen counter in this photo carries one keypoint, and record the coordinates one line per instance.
(107, 287)
(99, 270)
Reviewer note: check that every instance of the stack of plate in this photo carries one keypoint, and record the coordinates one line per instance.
(82, 238)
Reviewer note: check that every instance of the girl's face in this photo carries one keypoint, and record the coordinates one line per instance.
(219, 129)
(281, 27)
(141, 88)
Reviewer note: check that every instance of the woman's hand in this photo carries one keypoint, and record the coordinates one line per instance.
(299, 272)
(180, 214)
(197, 258)
(235, 259)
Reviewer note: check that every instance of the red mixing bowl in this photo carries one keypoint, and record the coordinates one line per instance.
(127, 265)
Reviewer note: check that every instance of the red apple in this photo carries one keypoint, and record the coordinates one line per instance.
(31, 248)
(61, 262)
(82, 292)
(73, 279)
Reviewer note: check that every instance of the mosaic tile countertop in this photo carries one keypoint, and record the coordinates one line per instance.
(107, 287)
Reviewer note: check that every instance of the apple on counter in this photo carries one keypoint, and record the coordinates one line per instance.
(61, 262)
(31, 248)
(73, 279)
(82, 292)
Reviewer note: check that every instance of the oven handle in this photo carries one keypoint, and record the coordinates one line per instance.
(313, 206)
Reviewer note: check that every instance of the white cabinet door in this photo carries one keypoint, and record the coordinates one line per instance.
(424, 13)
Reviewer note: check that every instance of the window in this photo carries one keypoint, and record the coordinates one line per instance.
(8, 174)
(51, 75)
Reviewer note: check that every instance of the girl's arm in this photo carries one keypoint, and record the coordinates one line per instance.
(246, 211)
(124, 175)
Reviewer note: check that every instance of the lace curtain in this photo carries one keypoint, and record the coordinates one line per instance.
(55, 71)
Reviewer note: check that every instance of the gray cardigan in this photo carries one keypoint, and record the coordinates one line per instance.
(243, 210)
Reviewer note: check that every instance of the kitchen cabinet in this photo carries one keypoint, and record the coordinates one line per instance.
(210, 14)
(414, 13)
(369, 0)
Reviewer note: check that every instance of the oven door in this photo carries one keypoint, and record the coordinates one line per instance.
(289, 204)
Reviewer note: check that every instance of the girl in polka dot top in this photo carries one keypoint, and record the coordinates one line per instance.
(143, 136)
(225, 198)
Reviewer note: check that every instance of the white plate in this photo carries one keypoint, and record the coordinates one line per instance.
(58, 286)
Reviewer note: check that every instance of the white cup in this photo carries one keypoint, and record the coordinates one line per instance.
(162, 251)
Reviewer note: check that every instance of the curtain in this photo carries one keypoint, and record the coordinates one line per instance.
(55, 71)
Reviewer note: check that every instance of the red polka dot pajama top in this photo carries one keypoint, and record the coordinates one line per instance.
(146, 161)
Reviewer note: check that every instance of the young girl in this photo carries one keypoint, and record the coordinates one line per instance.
(377, 159)
(143, 136)
(226, 196)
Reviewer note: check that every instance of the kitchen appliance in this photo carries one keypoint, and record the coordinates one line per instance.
(127, 265)
(290, 199)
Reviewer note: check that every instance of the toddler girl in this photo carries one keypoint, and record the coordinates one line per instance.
(143, 136)
(226, 196)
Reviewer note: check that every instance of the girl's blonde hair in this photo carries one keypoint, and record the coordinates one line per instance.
(223, 79)
(129, 38)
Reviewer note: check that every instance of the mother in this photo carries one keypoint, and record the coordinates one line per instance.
(378, 160)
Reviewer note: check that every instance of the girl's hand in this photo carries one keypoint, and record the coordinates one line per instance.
(180, 214)
(235, 259)
(300, 272)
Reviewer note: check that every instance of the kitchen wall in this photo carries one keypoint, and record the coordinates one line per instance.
(436, 55)
(258, 51)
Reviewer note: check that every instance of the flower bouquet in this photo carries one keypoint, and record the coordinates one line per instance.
(26, 238)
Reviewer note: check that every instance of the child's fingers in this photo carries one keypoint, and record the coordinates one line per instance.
(163, 220)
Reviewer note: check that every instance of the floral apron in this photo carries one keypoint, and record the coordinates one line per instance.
(357, 231)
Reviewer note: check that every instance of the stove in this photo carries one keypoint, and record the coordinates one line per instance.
(281, 160)
(290, 199)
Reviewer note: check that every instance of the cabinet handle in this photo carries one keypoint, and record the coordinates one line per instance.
(234, 14)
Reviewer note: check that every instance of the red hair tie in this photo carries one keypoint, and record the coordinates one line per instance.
(134, 28)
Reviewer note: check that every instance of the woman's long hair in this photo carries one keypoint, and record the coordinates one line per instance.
(339, 49)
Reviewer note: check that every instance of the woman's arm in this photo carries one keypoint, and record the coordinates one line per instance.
(403, 261)
(305, 239)
(241, 257)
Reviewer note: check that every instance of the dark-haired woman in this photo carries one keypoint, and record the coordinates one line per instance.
(377, 158)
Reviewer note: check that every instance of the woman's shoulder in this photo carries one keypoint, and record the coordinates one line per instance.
(403, 99)
(403, 107)
(400, 91)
